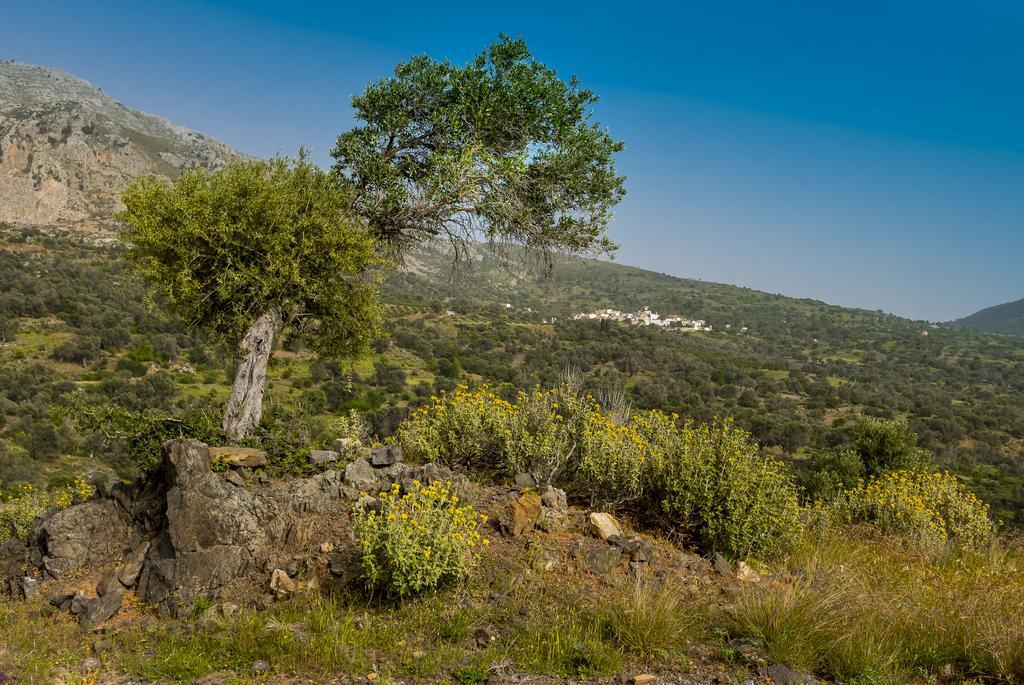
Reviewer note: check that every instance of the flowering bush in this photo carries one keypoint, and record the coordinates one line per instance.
(721, 488)
(418, 541)
(25, 502)
(931, 509)
(463, 427)
(712, 480)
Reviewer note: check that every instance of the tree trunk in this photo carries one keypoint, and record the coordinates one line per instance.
(245, 407)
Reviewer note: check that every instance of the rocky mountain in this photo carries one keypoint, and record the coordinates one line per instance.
(67, 148)
(1003, 318)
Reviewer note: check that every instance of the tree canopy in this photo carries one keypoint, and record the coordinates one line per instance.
(224, 248)
(499, 149)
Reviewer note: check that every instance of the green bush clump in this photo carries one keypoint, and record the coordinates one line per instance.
(720, 486)
(418, 541)
(712, 480)
(931, 509)
(20, 505)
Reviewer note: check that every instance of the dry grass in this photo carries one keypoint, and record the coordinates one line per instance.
(867, 608)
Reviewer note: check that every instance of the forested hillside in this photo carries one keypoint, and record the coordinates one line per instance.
(78, 341)
(1003, 318)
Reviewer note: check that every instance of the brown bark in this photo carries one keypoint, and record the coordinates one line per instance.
(245, 406)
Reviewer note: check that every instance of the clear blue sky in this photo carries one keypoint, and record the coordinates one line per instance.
(867, 154)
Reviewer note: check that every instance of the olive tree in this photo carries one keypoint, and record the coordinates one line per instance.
(251, 248)
(499, 149)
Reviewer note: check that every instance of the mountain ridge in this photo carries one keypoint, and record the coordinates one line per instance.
(67, 148)
(1005, 318)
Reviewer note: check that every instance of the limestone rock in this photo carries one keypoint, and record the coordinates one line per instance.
(601, 560)
(281, 584)
(235, 478)
(604, 525)
(780, 674)
(214, 532)
(89, 534)
(248, 457)
(321, 457)
(129, 572)
(521, 515)
(385, 455)
(360, 474)
(555, 499)
(67, 149)
(95, 611)
(635, 548)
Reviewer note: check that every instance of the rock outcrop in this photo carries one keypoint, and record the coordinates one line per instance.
(187, 531)
(67, 149)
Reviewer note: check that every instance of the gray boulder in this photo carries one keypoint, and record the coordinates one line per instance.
(360, 474)
(214, 532)
(385, 455)
(13, 562)
(321, 457)
(85, 535)
(92, 612)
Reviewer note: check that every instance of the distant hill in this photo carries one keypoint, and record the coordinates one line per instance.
(67, 149)
(1003, 318)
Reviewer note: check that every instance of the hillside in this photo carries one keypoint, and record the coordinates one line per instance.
(67, 149)
(1003, 318)
(797, 378)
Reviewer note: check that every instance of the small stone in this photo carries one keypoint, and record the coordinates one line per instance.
(721, 565)
(235, 478)
(372, 677)
(551, 520)
(604, 524)
(555, 499)
(326, 548)
(132, 567)
(525, 480)
(601, 560)
(281, 584)
(635, 548)
(696, 563)
(644, 679)
(259, 667)
(336, 564)
(321, 457)
(30, 587)
(248, 457)
(780, 674)
(385, 455)
(746, 574)
(93, 612)
(89, 664)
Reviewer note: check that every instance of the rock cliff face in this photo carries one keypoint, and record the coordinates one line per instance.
(67, 149)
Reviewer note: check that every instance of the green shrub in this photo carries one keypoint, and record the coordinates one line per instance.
(418, 541)
(22, 504)
(930, 509)
(730, 495)
(887, 446)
